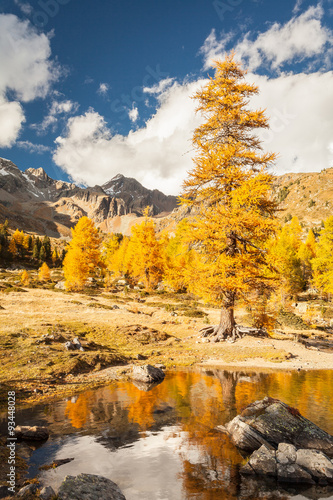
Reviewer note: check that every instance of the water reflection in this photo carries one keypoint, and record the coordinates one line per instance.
(161, 444)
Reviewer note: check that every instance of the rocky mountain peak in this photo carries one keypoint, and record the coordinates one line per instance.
(32, 200)
(7, 167)
(38, 172)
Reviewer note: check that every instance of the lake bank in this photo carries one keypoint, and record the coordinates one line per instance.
(118, 330)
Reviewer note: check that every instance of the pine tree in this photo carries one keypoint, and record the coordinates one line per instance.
(230, 188)
(18, 237)
(285, 250)
(44, 273)
(42, 254)
(83, 257)
(55, 256)
(25, 278)
(306, 253)
(12, 247)
(145, 254)
(26, 242)
(179, 258)
(47, 247)
(119, 263)
(323, 263)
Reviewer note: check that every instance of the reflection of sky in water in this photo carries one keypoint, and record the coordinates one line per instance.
(161, 444)
(136, 468)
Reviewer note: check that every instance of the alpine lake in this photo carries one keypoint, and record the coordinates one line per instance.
(161, 443)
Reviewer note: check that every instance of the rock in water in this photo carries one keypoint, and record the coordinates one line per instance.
(28, 491)
(89, 487)
(270, 422)
(47, 493)
(31, 433)
(290, 466)
(147, 373)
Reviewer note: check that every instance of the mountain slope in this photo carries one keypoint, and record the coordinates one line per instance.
(35, 202)
(309, 196)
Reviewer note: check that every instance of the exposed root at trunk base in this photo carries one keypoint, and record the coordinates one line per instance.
(216, 335)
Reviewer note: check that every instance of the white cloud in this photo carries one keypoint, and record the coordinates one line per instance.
(103, 89)
(57, 109)
(26, 68)
(159, 87)
(300, 38)
(33, 148)
(158, 154)
(299, 108)
(26, 71)
(297, 6)
(25, 7)
(133, 114)
(11, 121)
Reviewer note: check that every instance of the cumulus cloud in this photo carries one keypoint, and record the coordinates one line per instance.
(11, 121)
(103, 89)
(26, 68)
(33, 148)
(158, 154)
(133, 114)
(25, 7)
(302, 37)
(299, 110)
(26, 72)
(159, 87)
(57, 109)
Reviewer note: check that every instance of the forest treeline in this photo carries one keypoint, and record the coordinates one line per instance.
(301, 261)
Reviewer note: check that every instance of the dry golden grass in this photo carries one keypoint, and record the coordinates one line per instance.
(112, 339)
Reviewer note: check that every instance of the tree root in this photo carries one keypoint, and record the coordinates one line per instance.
(237, 332)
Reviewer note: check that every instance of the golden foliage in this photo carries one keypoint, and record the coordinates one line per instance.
(284, 250)
(25, 278)
(323, 263)
(44, 272)
(83, 256)
(230, 186)
(12, 247)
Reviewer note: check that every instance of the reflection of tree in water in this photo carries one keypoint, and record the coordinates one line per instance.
(121, 413)
(216, 472)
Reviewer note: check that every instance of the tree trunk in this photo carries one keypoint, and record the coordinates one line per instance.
(227, 322)
(227, 326)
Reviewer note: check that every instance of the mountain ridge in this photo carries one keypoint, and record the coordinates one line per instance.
(33, 201)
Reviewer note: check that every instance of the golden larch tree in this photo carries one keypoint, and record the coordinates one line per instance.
(285, 251)
(83, 258)
(25, 278)
(322, 264)
(44, 273)
(145, 254)
(230, 186)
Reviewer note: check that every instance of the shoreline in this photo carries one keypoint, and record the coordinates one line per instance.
(117, 331)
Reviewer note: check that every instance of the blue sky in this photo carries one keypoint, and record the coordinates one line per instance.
(91, 89)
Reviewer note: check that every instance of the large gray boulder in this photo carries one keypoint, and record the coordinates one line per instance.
(147, 374)
(290, 466)
(89, 487)
(270, 422)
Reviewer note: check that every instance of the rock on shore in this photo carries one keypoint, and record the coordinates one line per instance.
(284, 445)
(89, 487)
(147, 374)
(270, 422)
